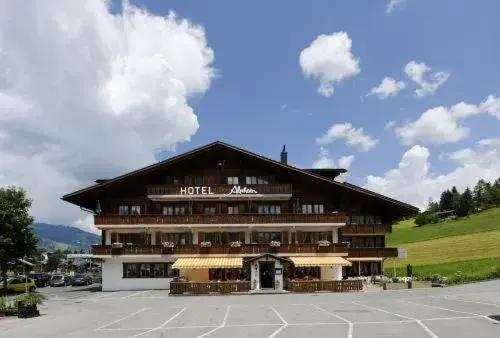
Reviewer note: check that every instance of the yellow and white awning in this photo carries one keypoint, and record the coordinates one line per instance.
(208, 263)
(319, 261)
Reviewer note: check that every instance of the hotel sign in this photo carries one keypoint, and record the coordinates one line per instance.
(207, 190)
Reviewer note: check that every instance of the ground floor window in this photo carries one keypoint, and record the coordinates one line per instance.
(149, 270)
(363, 269)
(306, 273)
(228, 274)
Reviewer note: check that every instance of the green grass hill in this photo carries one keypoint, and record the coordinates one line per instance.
(462, 250)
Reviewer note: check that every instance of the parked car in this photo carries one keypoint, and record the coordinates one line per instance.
(81, 279)
(59, 280)
(41, 279)
(21, 284)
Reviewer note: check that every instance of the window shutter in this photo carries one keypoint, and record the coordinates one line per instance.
(284, 237)
(241, 237)
(103, 237)
(300, 237)
(201, 237)
(255, 236)
(158, 237)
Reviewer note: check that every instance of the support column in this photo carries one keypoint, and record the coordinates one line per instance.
(335, 235)
(248, 239)
(290, 237)
(107, 237)
(195, 236)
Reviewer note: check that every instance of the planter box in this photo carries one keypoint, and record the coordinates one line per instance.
(28, 311)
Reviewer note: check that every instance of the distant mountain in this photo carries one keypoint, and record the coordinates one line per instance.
(61, 237)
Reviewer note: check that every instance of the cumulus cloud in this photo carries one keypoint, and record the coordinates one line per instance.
(352, 136)
(388, 87)
(441, 125)
(325, 160)
(422, 75)
(330, 60)
(413, 181)
(88, 94)
(389, 8)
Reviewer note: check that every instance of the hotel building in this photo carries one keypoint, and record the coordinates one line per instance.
(222, 219)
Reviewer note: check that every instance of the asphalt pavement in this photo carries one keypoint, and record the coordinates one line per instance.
(461, 311)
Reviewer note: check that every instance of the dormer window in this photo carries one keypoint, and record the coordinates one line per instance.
(233, 180)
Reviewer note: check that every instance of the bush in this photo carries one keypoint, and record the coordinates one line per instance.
(30, 299)
(8, 307)
(426, 218)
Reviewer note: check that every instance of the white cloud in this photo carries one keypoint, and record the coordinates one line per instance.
(388, 87)
(441, 125)
(389, 8)
(389, 125)
(330, 60)
(86, 94)
(413, 182)
(352, 136)
(421, 74)
(325, 160)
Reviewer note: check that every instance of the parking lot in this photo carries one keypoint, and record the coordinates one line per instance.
(462, 311)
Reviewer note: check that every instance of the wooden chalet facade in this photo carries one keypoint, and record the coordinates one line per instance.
(222, 219)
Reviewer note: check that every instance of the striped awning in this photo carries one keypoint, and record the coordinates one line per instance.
(304, 261)
(365, 259)
(208, 263)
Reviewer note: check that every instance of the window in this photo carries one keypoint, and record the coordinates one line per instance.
(251, 180)
(213, 237)
(123, 210)
(149, 270)
(268, 237)
(262, 180)
(269, 209)
(257, 180)
(180, 238)
(378, 220)
(232, 209)
(135, 209)
(369, 220)
(178, 209)
(312, 209)
(235, 236)
(209, 209)
(232, 180)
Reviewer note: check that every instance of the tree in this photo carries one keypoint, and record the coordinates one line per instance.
(466, 204)
(446, 201)
(432, 206)
(455, 198)
(55, 259)
(17, 239)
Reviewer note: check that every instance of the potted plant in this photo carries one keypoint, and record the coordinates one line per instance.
(27, 304)
(205, 247)
(324, 243)
(117, 245)
(235, 244)
(168, 247)
(275, 246)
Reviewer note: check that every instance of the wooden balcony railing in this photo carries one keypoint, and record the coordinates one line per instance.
(222, 189)
(373, 252)
(219, 219)
(193, 249)
(200, 288)
(323, 285)
(351, 229)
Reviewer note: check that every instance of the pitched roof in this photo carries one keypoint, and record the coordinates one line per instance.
(212, 145)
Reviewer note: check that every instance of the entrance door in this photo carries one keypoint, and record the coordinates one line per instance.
(267, 275)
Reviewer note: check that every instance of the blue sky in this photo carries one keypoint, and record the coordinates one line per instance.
(257, 46)
(90, 91)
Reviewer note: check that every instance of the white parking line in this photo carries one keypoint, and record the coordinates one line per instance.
(162, 325)
(351, 325)
(426, 329)
(472, 301)
(135, 293)
(281, 328)
(123, 318)
(220, 326)
(456, 311)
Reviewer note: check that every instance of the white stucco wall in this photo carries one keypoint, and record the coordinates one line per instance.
(112, 277)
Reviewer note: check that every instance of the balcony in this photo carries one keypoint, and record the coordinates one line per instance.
(353, 229)
(219, 189)
(373, 252)
(219, 219)
(194, 249)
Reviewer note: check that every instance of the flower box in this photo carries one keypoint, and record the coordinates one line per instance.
(236, 244)
(117, 245)
(324, 243)
(168, 244)
(206, 244)
(275, 244)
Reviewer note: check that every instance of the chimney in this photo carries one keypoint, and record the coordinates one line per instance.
(284, 156)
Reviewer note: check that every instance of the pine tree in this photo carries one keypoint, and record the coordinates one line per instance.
(455, 198)
(466, 204)
(432, 206)
(446, 201)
